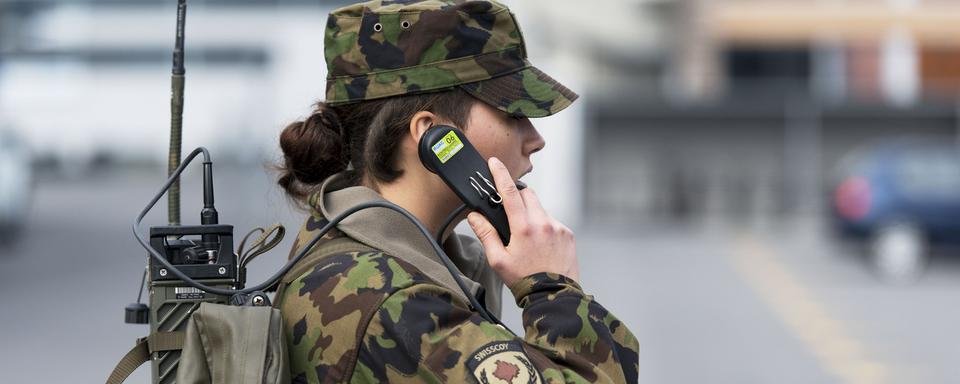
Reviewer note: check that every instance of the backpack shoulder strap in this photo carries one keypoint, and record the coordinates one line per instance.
(333, 243)
(323, 249)
(140, 353)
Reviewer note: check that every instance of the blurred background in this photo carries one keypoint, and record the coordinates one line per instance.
(763, 191)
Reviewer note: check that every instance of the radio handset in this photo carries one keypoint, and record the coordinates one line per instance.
(445, 150)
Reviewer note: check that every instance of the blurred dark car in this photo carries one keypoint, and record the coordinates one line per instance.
(899, 197)
(15, 184)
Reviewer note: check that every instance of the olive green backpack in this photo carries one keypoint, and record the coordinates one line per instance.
(227, 344)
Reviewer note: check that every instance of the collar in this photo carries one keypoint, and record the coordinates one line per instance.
(392, 233)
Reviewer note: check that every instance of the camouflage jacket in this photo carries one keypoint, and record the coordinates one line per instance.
(362, 315)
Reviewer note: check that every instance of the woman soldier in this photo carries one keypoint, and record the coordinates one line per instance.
(372, 302)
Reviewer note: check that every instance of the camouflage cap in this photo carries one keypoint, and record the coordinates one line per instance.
(386, 48)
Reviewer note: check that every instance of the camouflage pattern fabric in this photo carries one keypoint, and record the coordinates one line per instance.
(368, 317)
(387, 48)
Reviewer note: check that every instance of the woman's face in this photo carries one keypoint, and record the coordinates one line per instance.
(511, 140)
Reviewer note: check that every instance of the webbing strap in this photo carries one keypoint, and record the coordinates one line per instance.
(138, 355)
(166, 341)
(269, 238)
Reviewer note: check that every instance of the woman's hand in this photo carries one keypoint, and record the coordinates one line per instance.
(538, 242)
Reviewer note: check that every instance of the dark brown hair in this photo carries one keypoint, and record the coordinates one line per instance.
(365, 134)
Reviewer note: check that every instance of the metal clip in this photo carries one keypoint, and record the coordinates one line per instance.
(476, 185)
(496, 200)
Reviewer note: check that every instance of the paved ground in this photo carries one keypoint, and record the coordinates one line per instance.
(774, 305)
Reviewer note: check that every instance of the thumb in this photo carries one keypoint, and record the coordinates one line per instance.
(486, 233)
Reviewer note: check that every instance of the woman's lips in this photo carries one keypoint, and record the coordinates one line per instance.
(526, 173)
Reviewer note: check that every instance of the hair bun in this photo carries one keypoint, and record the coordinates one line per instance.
(313, 149)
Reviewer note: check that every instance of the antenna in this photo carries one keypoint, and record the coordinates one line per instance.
(176, 115)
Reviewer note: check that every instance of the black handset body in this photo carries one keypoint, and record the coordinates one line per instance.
(445, 150)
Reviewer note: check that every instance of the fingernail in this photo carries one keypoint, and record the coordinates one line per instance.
(496, 162)
(471, 219)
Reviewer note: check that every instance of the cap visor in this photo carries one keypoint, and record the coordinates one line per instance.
(525, 93)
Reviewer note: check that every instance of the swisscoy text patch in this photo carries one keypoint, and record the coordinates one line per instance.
(502, 362)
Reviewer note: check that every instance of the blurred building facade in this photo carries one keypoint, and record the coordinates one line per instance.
(86, 79)
(747, 105)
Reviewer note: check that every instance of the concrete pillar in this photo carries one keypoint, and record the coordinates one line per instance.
(899, 67)
(695, 62)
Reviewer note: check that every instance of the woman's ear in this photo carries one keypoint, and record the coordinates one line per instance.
(420, 123)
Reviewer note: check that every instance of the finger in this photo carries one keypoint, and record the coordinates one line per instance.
(512, 202)
(486, 233)
(532, 202)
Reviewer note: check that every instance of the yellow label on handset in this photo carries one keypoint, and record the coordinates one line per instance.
(447, 147)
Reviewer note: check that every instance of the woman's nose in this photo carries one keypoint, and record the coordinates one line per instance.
(533, 141)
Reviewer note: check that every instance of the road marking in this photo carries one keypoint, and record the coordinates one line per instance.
(825, 336)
